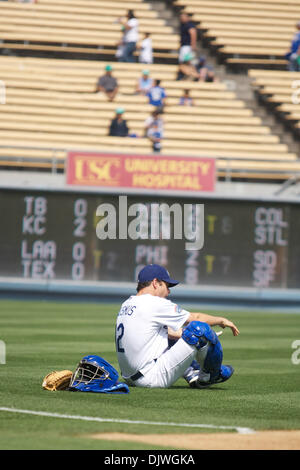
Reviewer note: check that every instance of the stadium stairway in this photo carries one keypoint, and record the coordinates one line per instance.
(278, 91)
(245, 91)
(245, 33)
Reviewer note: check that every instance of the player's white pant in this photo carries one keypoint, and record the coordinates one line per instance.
(170, 366)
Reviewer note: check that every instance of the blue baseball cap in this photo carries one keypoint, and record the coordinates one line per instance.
(154, 271)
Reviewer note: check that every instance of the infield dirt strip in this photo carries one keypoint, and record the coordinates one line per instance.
(260, 440)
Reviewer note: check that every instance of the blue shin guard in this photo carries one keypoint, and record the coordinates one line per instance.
(201, 335)
(213, 361)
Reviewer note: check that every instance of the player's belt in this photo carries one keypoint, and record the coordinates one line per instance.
(136, 376)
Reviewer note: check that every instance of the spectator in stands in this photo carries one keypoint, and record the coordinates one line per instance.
(157, 95)
(144, 83)
(118, 126)
(186, 99)
(146, 50)
(154, 128)
(196, 70)
(187, 70)
(155, 117)
(206, 71)
(155, 136)
(131, 36)
(293, 56)
(108, 84)
(188, 36)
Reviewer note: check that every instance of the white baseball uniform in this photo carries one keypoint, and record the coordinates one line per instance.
(142, 341)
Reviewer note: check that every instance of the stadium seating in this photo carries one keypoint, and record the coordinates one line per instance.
(246, 33)
(51, 107)
(279, 91)
(81, 26)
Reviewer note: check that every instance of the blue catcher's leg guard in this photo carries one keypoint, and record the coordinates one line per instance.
(213, 361)
(210, 353)
(213, 365)
(198, 333)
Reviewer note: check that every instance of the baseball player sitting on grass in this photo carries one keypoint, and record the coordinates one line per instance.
(157, 342)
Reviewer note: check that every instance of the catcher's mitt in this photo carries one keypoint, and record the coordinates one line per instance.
(57, 380)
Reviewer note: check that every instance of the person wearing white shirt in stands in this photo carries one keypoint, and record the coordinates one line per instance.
(144, 83)
(131, 36)
(145, 48)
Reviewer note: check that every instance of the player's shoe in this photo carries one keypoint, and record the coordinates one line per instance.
(202, 381)
(194, 374)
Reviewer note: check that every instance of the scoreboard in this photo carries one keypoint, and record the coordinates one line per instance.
(55, 235)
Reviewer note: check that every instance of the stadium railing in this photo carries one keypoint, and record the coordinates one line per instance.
(53, 159)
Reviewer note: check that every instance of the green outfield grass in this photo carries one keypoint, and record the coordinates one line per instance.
(40, 336)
